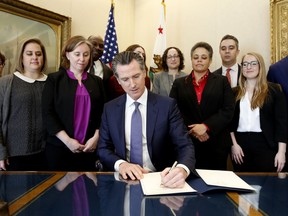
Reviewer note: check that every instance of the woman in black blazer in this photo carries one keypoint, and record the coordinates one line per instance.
(206, 103)
(259, 124)
(73, 102)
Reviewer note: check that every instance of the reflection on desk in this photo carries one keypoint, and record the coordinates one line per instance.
(46, 193)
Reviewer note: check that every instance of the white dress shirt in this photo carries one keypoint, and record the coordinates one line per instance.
(98, 69)
(233, 74)
(249, 120)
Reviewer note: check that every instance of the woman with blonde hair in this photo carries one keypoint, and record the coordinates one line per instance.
(259, 125)
(73, 101)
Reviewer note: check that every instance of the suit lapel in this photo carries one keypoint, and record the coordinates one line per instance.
(167, 83)
(192, 94)
(152, 114)
(207, 89)
(120, 128)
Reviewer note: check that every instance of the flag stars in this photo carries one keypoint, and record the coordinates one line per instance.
(160, 29)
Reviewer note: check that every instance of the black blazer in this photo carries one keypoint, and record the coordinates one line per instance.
(58, 104)
(219, 72)
(107, 73)
(273, 116)
(215, 110)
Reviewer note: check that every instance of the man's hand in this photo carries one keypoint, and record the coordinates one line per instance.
(174, 178)
(132, 171)
(173, 202)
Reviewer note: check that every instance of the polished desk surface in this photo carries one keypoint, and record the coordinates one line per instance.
(61, 193)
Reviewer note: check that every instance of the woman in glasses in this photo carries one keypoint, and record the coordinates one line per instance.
(172, 64)
(260, 120)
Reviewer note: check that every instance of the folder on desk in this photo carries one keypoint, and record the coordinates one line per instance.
(218, 180)
(208, 180)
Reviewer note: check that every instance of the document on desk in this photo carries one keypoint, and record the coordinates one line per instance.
(151, 185)
(222, 178)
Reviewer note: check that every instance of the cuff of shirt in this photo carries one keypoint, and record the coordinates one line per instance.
(184, 167)
(117, 164)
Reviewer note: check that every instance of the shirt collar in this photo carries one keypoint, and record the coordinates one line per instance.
(142, 100)
(205, 77)
(28, 79)
(233, 68)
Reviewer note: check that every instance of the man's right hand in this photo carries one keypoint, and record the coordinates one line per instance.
(131, 171)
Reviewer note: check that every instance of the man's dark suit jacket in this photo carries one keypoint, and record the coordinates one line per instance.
(219, 72)
(167, 137)
(278, 73)
(107, 73)
(273, 116)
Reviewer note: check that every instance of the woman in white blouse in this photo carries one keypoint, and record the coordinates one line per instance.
(259, 123)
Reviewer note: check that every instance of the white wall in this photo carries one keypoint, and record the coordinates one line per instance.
(191, 21)
(188, 21)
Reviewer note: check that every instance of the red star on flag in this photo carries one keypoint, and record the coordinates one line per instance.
(160, 29)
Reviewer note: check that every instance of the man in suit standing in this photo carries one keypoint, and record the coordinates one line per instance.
(278, 73)
(164, 138)
(98, 68)
(229, 50)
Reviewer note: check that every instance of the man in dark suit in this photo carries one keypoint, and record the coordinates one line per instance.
(278, 73)
(164, 138)
(98, 68)
(229, 50)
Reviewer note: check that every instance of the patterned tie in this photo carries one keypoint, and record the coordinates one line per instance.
(136, 136)
(228, 75)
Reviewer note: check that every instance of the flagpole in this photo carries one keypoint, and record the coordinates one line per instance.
(164, 5)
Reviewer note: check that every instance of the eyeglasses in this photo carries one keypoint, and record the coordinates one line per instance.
(252, 64)
(172, 57)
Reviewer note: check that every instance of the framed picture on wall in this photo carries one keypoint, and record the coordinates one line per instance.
(20, 21)
(279, 29)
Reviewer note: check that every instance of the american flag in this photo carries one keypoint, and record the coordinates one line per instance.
(110, 41)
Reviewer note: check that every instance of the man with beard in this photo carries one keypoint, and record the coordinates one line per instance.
(229, 50)
(98, 68)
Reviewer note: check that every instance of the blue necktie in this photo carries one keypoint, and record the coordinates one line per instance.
(136, 136)
(135, 200)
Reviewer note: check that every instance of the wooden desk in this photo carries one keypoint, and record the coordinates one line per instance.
(61, 193)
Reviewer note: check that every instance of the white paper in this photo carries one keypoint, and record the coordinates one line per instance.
(223, 178)
(151, 185)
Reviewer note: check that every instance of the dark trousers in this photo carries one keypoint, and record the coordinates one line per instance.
(34, 162)
(258, 155)
(60, 158)
(209, 156)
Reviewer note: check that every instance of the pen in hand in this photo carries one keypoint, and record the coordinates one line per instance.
(173, 166)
